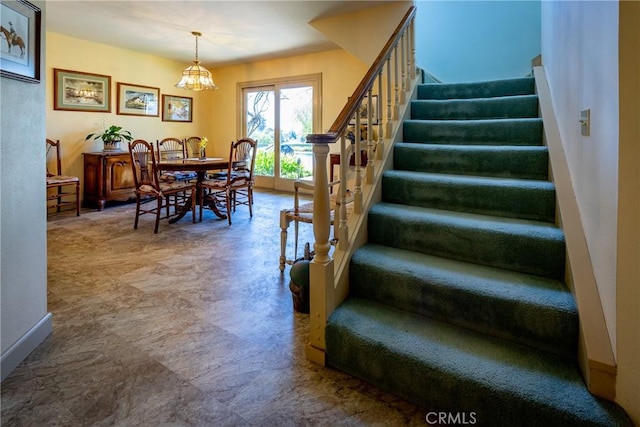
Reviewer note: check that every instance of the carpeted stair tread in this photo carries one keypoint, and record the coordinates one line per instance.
(532, 310)
(490, 132)
(525, 246)
(457, 300)
(479, 108)
(483, 89)
(505, 197)
(527, 162)
(443, 367)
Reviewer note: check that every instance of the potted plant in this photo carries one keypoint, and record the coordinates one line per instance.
(111, 137)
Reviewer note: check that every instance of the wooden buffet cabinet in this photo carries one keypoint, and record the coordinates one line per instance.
(107, 177)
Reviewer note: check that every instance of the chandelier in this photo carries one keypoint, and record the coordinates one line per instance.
(196, 77)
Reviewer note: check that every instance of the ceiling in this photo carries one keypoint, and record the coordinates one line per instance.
(232, 31)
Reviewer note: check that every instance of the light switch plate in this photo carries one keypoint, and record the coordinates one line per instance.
(585, 122)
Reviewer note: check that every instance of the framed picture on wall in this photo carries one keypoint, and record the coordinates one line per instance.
(177, 108)
(20, 45)
(136, 100)
(78, 91)
(364, 111)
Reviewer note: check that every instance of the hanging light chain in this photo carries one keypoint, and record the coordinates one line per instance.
(196, 34)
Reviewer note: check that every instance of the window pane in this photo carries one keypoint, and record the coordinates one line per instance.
(260, 120)
(296, 122)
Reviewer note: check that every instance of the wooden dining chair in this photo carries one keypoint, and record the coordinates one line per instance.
(302, 210)
(173, 149)
(148, 185)
(236, 187)
(67, 188)
(192, 146)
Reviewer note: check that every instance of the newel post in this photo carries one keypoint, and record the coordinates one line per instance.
(321, 270)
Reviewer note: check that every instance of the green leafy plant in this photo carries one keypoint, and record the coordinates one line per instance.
(291, 169)
(264, 163)
(289, 166)
(112, 134)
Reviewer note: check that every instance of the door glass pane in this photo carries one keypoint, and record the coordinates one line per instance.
(296, 122)
(260, 125)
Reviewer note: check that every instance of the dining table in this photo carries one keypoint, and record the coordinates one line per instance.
(200, 166)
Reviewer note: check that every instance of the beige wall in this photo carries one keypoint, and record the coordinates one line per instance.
(628, 249)
(583, 61)
(580, 57)
(365, 32)
(23, 228)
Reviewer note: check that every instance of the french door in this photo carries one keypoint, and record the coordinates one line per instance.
(279, 115)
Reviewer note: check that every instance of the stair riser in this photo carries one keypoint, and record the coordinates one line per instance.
(511, 87)
(488, 132)
(504, 162)
(523, 251)
(525, 202)
(442, 292)
(491, 108)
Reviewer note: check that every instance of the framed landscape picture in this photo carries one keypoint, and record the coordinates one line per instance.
(177, 108)
(136, 100)
(20, 43)
(78, 91)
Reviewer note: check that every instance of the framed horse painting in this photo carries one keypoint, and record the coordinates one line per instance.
(20, 51)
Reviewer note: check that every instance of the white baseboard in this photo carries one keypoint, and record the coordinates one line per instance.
(25, 345)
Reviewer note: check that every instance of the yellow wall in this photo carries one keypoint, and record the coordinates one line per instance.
(214, 113)
(341, 73)
(126, 66)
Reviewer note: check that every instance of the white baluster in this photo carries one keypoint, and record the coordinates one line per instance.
(321, 215)
(396, 105)
(379, 144)
(357, 191)
(341, 212)
(403, 69)
(370, 129)
(412, 57)
(389, 110)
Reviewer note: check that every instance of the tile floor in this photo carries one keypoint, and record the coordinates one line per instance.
(193, 326)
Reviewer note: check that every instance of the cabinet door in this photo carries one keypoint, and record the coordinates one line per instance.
(92, 179)
(119, 178)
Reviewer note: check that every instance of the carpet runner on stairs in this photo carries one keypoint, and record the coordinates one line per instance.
(457, 302)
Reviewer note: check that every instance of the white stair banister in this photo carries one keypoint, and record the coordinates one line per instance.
(329, 269)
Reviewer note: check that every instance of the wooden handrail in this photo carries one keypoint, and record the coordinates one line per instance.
(353, 103)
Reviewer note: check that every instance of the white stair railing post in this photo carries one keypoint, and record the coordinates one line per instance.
(341, 211)
(321, 214)
(389, 98)
(396, 103)
(321, 269)
(357, 191)
(403, 68)
(370, 130)
(412, 56)
(379, 144)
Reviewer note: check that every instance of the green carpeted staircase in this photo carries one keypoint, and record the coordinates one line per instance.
(457, 302)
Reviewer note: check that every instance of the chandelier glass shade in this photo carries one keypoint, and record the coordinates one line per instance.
(196, 77)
